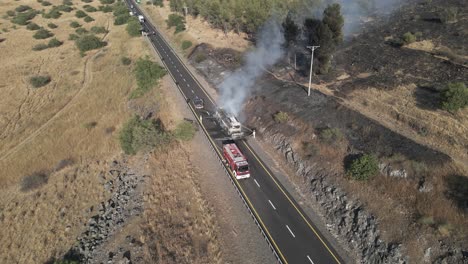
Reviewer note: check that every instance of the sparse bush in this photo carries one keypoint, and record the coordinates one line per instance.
(133, 27)
(126, 61)
(63, 164)
(22, 8)
(121, 19)
(39, 81)
(107, 2)
(54, 43)
(34, 181)
(90, 125)
(105, 8)
(88, 19)
(281, 117)
(455, 97)
(40, 47)
(449, 15)
(179, 28)
(52, 25)
(33, 26)
(138, 134)
(67, 2)
(75, 24)
(87, 1)
(73, 37)
(186, 44)
(89, 42)
(184, 131)
(64, 8)
(80, 14)
(331, 135)
(81, 31)
(45, 3)
(309, 149)
(53, 13)
(89, 8)
(120, 9)
(200, 57)
(11, 13)
(363, 167)
(176, 21)
(408, 38)
(42, 34)
(98, 30)
(147, 74)
(23, 18)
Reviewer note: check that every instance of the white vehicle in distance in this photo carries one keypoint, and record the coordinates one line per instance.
(141, 19)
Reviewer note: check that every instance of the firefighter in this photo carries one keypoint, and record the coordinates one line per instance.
(253, 133)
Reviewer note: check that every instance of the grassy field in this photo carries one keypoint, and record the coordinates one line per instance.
(71, 118)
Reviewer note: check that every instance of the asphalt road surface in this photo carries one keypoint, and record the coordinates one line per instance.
(293, 236)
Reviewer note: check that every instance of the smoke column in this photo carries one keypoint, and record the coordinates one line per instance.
(237, 86)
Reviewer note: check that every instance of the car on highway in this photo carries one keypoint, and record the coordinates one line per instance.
(198, 103)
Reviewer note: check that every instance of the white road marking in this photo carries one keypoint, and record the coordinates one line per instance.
(185, 80)
(310, 259)
(180, 75)
(188, 85)
(272, 205)
(177, 70)
(193, 92)
(257, 183)
(292, 234)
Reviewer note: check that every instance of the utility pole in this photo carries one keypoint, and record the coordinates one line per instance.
(311, 63)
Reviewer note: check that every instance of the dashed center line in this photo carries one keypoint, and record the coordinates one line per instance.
(193, 92)
(185, 80)
(272, 205)
(310, 259)
(257, 183)
(292, 234)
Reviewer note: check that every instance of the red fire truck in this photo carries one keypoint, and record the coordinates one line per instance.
(236, 160)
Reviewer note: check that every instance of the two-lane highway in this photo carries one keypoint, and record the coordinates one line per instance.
(289, 231)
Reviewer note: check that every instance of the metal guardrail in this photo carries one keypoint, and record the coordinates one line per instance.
(205, 133)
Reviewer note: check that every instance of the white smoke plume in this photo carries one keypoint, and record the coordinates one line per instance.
(237, 86)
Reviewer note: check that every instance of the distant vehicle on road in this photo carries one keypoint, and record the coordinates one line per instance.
(131, 13)
(229, 123)
(141, 18)
(198, 103)
(236, 160)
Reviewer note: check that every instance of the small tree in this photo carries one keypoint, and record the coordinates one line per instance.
(133, 27)
(33, 26)
(98, 30)
(363, 167)
(75, 24)
(186, 44)
(408, 38)
(89, 42)
(54, 43)
(281, 117)
(80, 14)
(334, 20)
(455, 97)
(88, 19)
(291, 30)
(52, 25)
(39, 81)
(42, 34)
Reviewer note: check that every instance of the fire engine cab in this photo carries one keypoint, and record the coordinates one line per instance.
(236, 160)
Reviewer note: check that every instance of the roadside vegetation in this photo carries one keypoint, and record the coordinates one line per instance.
(455, 97)
(147, 74)
(363, 167)
(176, 21)
(89, 42)
(142, 135)
(184, 131)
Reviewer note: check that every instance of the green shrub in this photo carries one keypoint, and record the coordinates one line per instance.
(87, 1)
(89, 42)
(98, 30)
(179, 28)
(90, 125)
(147, 74)
(121, 19)
(186, 44)
(408, 38)
(455, 97)
(33, 26)
(80, 14)
(200, 57)
(52, 25)
(43, 34)
(363, 167)
(81, 31)
(184, 131)
(64, 8)
(120, 9)
(39, 81)
(449, 15)
(138, 134)
(133, 27)
(23, 18)
(45, 3)
(34, 181)
(126, 61)
(53, 13)
(331, 135)
(173, 20)
(11, 13)
(67, 2)
(75, 24)
(39, 1)
(40, 47)
(107, 2)
(281, 117)
(88, 19)
(105, 8)
(89, 8)
(73, 37)
(22, 8)
(54, 43)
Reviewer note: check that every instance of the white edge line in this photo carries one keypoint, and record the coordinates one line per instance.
(290, 231)
(310, 259)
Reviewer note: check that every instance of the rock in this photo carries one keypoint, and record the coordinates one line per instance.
(424, 186)
(387, 170)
